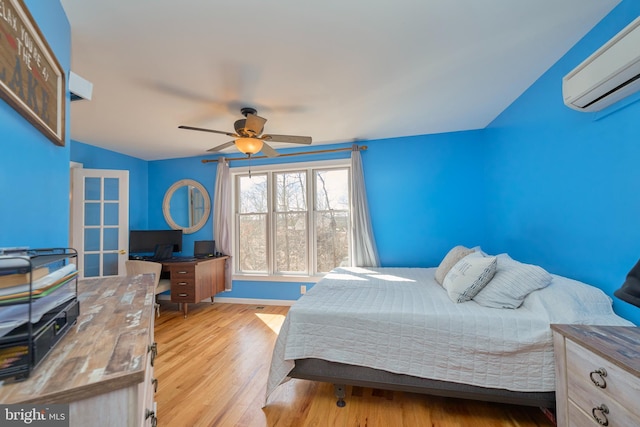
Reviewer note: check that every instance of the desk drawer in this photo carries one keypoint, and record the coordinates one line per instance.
(182, 290)
(182, 271)
(186, 296)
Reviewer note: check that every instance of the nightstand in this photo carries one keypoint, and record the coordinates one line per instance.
(597, 375)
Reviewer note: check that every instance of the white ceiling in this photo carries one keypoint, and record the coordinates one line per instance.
(336, 70)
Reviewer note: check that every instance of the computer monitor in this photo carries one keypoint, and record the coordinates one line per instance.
(204, 248)
(163, 252)
(145, 241)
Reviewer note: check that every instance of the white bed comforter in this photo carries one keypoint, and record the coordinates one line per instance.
(400, 320)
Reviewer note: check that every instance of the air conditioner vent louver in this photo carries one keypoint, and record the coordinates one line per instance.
(79, 88)
(609, 75)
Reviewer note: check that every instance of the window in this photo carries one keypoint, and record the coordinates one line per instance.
(292, 220)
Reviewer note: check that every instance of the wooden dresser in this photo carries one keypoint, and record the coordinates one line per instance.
(597, 375)
(194, 281)
(103, 367)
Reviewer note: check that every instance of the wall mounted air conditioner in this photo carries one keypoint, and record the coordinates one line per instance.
(609, 75)
(79, 87)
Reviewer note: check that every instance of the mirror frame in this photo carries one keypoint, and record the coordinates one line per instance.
(166, 206)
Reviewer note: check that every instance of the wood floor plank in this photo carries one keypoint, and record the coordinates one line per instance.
(212, 369)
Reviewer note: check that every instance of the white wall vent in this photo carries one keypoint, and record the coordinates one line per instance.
(609, 75)
(79, 87)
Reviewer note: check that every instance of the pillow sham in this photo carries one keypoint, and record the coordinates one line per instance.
(571, 301)
(468, 276)
(451, 258)
(512, 283)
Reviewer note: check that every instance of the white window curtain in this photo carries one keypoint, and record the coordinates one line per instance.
(222, 216)
(365, 253)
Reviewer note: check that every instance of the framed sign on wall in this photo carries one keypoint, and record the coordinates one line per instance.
(31, 79)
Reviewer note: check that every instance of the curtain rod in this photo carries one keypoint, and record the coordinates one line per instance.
(333, 150)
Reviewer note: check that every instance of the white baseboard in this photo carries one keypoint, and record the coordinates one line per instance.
(254, 301)
(246, 301)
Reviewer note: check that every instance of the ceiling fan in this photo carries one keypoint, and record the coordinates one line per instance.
(250, 139)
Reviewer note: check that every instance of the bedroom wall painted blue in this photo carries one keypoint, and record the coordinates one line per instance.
(425, 194)
(162, 175)
(97, 158)
(565, 183)
(34, 172)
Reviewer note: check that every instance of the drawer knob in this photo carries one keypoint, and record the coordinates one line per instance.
(601, 411)
(153, 349)
(597, 377)
(182, 295)
(151, 414)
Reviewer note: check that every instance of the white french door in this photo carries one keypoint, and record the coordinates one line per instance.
(100, 221)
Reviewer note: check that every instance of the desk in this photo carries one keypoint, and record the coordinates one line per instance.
(194, 280)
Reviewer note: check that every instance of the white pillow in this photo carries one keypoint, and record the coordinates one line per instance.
(468, 276)
(512, 283)
(570, 301)
(450, 259)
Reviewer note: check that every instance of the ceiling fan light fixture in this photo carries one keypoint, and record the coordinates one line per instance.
(249, 145)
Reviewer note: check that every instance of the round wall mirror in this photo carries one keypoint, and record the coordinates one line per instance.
(186, 206)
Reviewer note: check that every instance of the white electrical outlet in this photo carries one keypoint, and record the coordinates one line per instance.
(303, 289)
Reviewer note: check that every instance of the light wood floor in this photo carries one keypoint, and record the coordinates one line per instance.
(212, 370)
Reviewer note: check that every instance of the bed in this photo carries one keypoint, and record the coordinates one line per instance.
(398, 329)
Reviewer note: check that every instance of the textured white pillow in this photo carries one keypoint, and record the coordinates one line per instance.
(512, 283)
(450, 259)
(468, 276)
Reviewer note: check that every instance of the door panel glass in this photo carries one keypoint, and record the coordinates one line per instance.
(110, 264)
(91, 239)
(111, 214)
(92, 214)
(111, 190)
(110, 239)
(92, 265)
(92, 190)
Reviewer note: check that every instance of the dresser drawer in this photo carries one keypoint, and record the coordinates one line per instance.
(578, 418)
(619, 390)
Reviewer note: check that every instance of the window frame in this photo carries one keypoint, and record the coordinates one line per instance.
(311, 263)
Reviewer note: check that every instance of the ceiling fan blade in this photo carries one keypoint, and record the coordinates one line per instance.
(288, 138)
(221, 147)
(268, 150)
(254, 124)
(209, 130)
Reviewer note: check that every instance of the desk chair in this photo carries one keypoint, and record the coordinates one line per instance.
(135, 267)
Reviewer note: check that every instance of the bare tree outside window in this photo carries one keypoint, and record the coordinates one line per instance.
(252, 223)
(285, 216)
(291, 222)
(332, 219)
